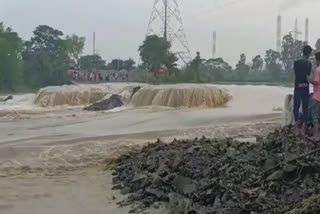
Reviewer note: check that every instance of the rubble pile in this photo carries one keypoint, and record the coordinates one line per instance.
(113, 102)
(279, 174)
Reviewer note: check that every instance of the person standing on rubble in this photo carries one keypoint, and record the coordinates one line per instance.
(302, 69)
(316, 100)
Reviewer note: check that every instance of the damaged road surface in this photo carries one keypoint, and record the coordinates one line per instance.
(202, 176)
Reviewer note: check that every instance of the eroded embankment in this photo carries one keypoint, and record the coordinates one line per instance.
(276, 175)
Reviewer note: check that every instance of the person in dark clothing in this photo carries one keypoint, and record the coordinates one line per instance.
(302, 69)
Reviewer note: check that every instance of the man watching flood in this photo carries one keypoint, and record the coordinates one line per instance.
(302, 69)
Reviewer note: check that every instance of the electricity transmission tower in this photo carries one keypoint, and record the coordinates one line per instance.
(166, 22)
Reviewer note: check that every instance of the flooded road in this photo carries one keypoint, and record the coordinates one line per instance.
(53, 157)
(80, 192)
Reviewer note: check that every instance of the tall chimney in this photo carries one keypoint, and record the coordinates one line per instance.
(307, 31)
(279, 33)
(214, 45)
(296, 30)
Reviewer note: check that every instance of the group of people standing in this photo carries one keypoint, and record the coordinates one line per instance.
(310, 102)
(87, 76)
(84, 76)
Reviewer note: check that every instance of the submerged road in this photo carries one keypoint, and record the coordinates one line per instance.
(37, 155)
(79, 125)
(51, 160)
(82, 138)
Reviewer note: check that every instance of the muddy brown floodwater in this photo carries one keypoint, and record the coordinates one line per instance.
(52, 160)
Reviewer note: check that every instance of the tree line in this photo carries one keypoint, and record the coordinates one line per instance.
(46, 58)
(272, 67)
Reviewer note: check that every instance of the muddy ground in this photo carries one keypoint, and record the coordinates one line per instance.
(52, 159)
(52, 162)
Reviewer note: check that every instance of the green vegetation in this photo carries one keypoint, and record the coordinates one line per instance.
(95, 62)
(90, 62)
(46, 58)
(74, 47)
(11, 46)
(119, 64)
(43, 60)
(274, 68)
(155, 53)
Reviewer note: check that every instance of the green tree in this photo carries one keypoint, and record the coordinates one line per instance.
(318, 45)
(129, 64)
(171, 63)
(10, 58)
(272, 57)
(45, 58)
(218, 70)
(116, 64)
(119, 64)
(291, 51)
(154, 52)
(257, 64)
(242, 69)
(273, 63)
(74, 46)
(92, 62)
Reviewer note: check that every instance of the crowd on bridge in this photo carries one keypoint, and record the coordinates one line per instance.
(102, 76)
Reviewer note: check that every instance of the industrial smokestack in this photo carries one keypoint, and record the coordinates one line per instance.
(296, 30)
(214, 45)
(307, 31)
(279, 33)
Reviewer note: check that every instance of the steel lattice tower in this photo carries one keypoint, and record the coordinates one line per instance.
(166, 22)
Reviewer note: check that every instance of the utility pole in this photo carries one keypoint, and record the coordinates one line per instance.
(94, 43)
(94, 51)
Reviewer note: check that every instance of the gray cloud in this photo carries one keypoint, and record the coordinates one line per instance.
(288, 4)
(243, 26)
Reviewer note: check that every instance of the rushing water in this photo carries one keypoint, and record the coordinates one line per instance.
(60, 141)
(19, 102)
(181, 96)
(72, 95)
(255, 99)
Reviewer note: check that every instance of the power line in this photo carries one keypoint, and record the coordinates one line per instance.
(94, 44)
(166, 21)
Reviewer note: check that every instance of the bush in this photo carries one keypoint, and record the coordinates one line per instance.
(208, 76)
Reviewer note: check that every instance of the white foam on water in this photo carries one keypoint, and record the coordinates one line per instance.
(19, 102)
(118, 109)
(256, 99)
(245, 98)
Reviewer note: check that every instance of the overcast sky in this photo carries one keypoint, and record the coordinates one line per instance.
(243, 26)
